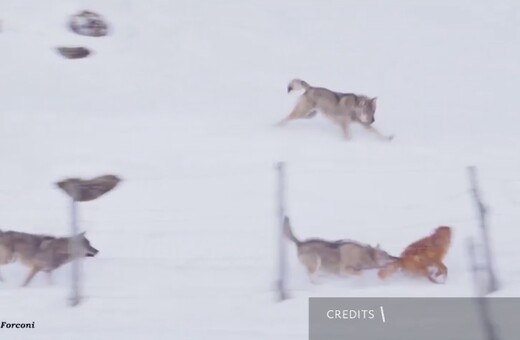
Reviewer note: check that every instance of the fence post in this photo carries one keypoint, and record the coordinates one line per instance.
(81, 190)
(482, 305)
(75, 297)
(492, 284)
(282, 267)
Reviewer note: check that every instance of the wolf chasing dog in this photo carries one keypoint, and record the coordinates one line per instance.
(42, 252)
(341, 257)
(341, 108)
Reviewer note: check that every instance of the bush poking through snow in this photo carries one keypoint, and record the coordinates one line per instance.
(84, 190)
(88, 23)
(73, 52)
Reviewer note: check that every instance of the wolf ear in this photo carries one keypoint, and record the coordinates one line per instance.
(373, 100)
(378, 246)
(82, 234)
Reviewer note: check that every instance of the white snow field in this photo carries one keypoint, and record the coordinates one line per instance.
(181, 100)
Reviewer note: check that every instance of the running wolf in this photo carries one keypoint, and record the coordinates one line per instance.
(342, 108)
(42, 252)
(342, 257)
(424, 257)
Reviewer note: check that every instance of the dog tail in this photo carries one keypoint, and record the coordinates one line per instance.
(297, 85)
(288, 231)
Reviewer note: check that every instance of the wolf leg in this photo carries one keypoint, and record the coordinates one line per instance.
(313, 274)
(312, 263)
(375, 131)
(388, 270)
(351, 271)
(345, 125)
(49, 278)
(303, 109)
(311, 114)
(34, 271)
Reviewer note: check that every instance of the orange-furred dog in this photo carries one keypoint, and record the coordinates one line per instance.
(423, 256)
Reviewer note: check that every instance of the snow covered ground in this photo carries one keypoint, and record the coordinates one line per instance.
(181, 101)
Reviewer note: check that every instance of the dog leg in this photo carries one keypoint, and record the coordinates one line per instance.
(1, 278)
(440, 278)
(432, 277)
(34, 271)
(442, 270)
(375, 131)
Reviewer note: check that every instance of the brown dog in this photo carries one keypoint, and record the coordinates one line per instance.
(420, 257)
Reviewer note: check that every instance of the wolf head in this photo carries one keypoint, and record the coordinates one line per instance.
(381, 257)
(86, 249)
(368, 110)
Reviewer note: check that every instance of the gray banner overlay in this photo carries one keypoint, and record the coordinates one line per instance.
(413, 318)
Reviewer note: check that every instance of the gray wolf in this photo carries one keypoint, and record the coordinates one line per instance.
(42, 252)
(341, 257)
(423, 258)
(342, 108)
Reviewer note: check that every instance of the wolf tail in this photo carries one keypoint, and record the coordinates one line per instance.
(297, 85)
(288, 231)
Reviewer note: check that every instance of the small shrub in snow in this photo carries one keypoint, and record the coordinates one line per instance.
(88, 23)
(73, 52)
